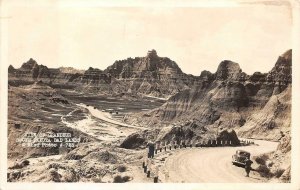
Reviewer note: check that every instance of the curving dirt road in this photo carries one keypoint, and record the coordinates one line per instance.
(106, 117)
(109, 130)
(211, 165)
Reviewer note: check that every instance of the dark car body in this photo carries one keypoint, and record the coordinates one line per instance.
(239, 157)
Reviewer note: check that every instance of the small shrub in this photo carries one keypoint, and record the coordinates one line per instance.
(262, 159)
(122, 168)
(55, 176)
(278, 173)
(120, 179)
(286, 176)
(264, 171)
(270, 164)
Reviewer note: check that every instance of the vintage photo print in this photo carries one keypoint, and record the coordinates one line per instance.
(164, 94)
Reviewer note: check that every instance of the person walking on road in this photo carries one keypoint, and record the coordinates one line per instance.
(248, 163)
(151, 149)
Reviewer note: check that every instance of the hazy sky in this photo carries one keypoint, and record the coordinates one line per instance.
(197, 38)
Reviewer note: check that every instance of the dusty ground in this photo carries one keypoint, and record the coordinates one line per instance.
(182, 165)
(209, 165)
(107, 117)
(99, 159)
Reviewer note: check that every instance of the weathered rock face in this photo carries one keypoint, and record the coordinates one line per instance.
(272, 120)
(11, 69)
(258, 77)
(30, 72)
(231, 99)
(70, 70)
(228, 136)
(228, 70)
(150, 75)
(281, 74)
(176, 133)
(133, 141)
(151, 66)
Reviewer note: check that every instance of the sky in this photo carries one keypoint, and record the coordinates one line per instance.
(197, 38)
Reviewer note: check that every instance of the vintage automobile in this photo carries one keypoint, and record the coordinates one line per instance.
(239, 157)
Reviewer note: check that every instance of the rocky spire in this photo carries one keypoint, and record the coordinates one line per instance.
(287, 55)
(29, 65)
(282, 71)
(152, 53)
(11, 69)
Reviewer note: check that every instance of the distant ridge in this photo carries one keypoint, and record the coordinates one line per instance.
(150, 75)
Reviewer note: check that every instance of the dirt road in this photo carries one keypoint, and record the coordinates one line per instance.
(105, 117)
(209, 165)
(107, 129)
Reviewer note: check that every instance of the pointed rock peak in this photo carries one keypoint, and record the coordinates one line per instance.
(282, 71)
(29, 64)
(152, 53)
(10, 67)
(228, 70)
(31, 61)
(287, 54)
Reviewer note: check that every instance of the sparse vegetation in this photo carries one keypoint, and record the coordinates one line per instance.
(264, 171)
(278, 173)
(120, 179)
(122, 168)
(261, 159)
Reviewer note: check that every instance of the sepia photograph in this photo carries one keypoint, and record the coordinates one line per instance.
(196, 92)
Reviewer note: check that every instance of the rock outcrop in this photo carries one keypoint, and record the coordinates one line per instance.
(134, 141)
(228, 136)
(231, 99)
(228, 70)
(151, 66)
(150, 75)
(255, 106)
(153, 75)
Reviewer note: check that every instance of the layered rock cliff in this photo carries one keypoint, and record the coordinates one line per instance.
(231, 99)
(228, 98)
(149, 75)
(255, 106)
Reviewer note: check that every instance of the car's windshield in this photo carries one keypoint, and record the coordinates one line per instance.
(246, 154)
